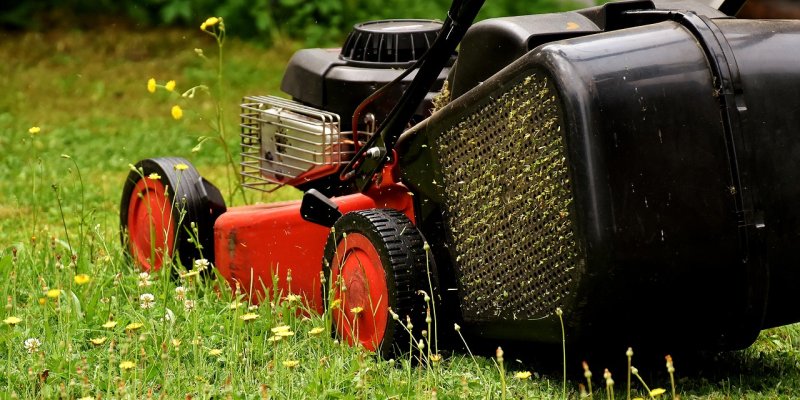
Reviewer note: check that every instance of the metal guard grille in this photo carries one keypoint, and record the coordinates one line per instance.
(508, 205)
(303, 139)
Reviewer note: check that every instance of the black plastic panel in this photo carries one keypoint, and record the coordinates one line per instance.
(319, 78)
(681, 140)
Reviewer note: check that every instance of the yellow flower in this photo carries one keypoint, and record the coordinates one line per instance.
(282, 328)
(134, 326)
(170, 86)
(435, 358)
(181, 167)
(176, 112)
(110, 324)
(316, 331)
(291, 363)
(657, 392)
(336, 303)
(42, 301)
(34, 130)
(248, 317)
(82, 279)
(12, 320)
(356, 310)
(53, 293)
(151, 85)
(154, 176)
(211, 21)
(284, 333)
(98, 340)
(176, 342)
(126, 365)
(215, 352)
(274, 339)
(86, 398)
(522, 375)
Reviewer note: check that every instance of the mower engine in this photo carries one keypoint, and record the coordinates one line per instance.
(300, 142)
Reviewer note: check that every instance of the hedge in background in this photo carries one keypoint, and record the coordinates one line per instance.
(318, 22)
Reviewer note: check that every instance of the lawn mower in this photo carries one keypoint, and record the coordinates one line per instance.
(627, 167)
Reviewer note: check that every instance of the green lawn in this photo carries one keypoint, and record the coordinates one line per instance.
(87, 93)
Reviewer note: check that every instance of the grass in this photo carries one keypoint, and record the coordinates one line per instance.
(87, 93)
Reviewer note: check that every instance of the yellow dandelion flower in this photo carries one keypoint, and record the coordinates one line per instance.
(356, 310)
(176, 112)
(170, 86)
(522, 375)
(110, 324)
(98, 340)
(134, 326)
(284, 333)
(336, 303)
(657, 392)
(34, 130)
(12, 320)
(53, 293)
(274, 338)
(176, 342)
(316, 331)
(154, 176)
(42, 301)
(181, 167)
(126, 365)
(215, 352)
(151, 85)
(209, 22)
(435, 358)
(291, 363)
(281, 328)
(82, 279)
(248, 317)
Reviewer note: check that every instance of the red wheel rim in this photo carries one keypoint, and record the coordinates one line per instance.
(364, 280)
(150, 225)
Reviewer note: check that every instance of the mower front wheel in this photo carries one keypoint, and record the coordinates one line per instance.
(373, 262)
(161, 200)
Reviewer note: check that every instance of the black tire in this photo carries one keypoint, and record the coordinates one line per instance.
(400, 247)
(191, 200)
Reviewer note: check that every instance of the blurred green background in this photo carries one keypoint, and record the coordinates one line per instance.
(318, 22)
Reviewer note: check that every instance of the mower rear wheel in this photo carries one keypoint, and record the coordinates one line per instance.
(373, 262)
(160, 201)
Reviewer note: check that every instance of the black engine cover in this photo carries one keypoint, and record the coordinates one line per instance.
(374, 54)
